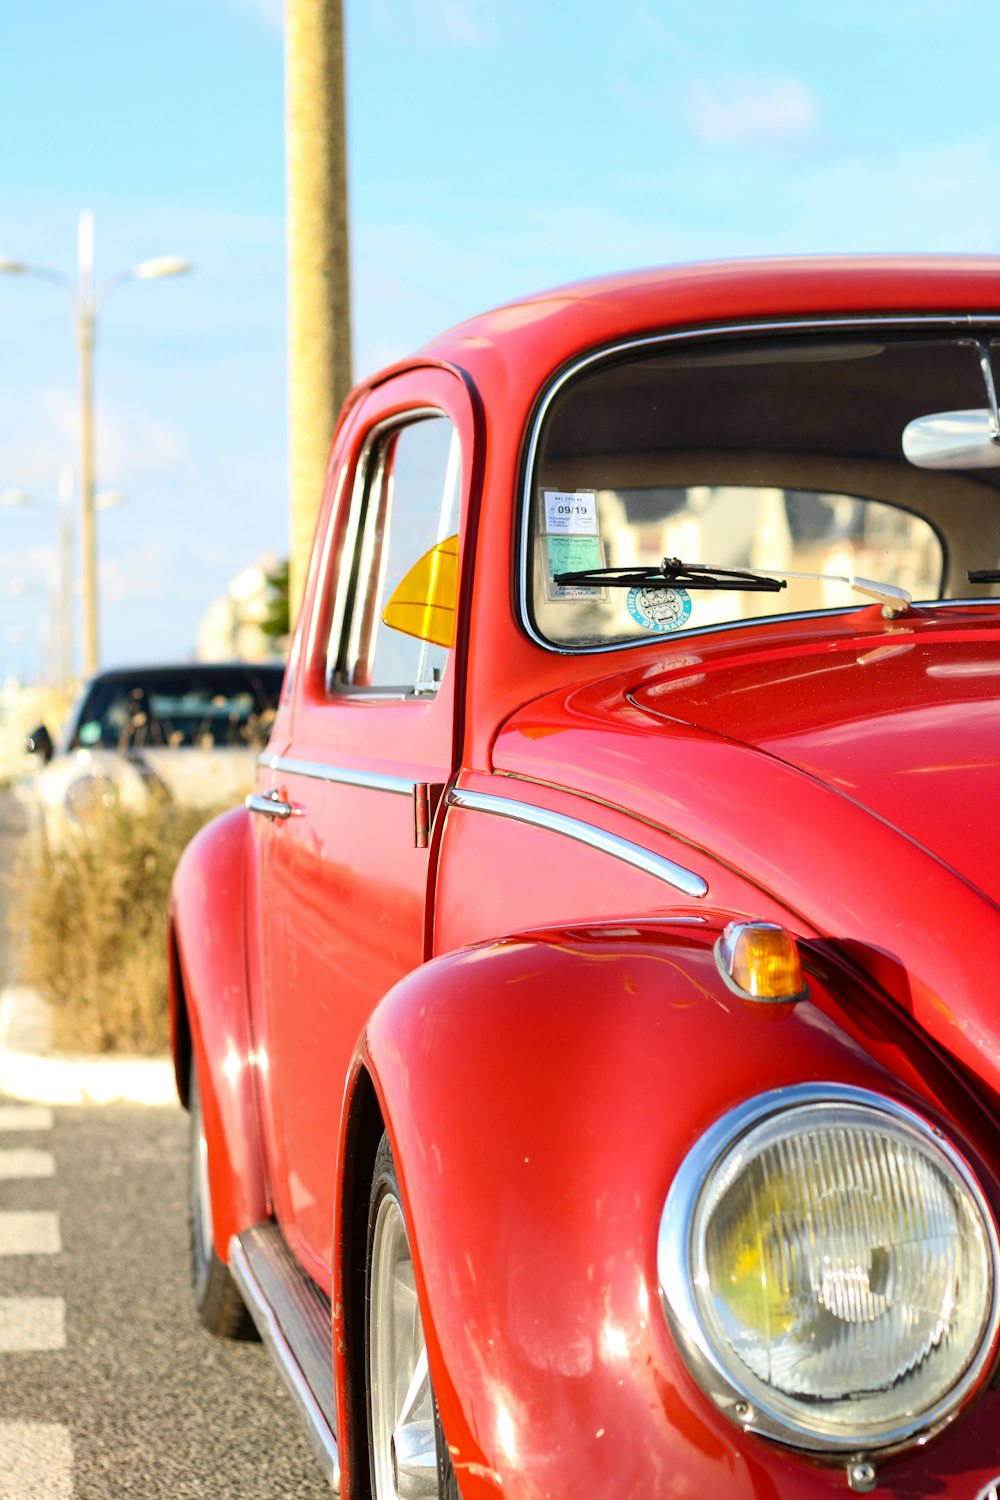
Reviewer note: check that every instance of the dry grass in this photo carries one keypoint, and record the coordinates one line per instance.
(88, 922)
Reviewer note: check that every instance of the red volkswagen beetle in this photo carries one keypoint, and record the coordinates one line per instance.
(590, 1026)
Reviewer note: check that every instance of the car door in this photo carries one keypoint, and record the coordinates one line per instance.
(345, 872)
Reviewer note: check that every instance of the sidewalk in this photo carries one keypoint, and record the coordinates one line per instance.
(31, 1070)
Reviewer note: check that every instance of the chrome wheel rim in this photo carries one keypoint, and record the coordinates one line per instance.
(404, 1451)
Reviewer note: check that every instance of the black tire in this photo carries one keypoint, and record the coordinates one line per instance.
(220, 1306)
(430, 1475)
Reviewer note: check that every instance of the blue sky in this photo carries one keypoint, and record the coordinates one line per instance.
(493, 149)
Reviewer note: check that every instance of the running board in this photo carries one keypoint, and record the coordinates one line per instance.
(293, 1319)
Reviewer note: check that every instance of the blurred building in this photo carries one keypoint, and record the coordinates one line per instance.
(234, 625)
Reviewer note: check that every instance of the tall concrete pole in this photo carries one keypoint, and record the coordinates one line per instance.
(88, 535)
(65, 633)
(319, 328)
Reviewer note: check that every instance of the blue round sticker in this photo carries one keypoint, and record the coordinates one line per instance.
(659, 610)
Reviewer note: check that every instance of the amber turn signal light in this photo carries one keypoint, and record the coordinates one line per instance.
(760, 960)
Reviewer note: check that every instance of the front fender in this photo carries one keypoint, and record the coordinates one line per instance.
(210, 1017)
(540, 1094)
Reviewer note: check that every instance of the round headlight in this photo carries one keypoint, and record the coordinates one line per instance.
(89, 796)
(829, 1265)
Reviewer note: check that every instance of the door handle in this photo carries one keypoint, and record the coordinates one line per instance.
(272, 805)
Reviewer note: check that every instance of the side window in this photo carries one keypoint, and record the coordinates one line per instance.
(409, 506)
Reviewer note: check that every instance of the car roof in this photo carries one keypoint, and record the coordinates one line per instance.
(207, 669)
(549, 326)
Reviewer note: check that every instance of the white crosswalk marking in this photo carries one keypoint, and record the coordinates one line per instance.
(36, 1458)
(36, 1461)
(25, 1117)
(26, 1162)
(29, 1324)
(29, 1233)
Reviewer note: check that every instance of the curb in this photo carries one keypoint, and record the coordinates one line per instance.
(30, 1071)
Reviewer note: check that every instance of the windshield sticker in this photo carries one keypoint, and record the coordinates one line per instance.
(570, 512)
(659, 610)
(571, 554)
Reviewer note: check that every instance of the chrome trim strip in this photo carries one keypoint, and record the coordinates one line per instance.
(321, 1439)
(675, 1257)
(956, 321)
(341, 775)
(981, 603)
(583, 833)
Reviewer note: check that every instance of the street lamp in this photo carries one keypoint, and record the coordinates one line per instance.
(63, 508)
(87, 302)
(64, 584)
(17, 588)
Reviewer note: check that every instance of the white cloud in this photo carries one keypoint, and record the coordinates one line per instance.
(744, 110)
(937, 199)
(460, 23)
(140, 576)
(271, 12)
(130, 444)
(27, 570)
(135, 445)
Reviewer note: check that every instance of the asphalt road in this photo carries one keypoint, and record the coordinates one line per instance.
(120, 1391)
(109, 1385)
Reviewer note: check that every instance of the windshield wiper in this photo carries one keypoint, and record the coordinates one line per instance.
(671, 574)
(983, 575)
(895, 600)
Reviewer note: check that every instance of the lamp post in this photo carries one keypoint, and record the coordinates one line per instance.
(17, 588)
(63, 508)
(64, 574)
(87, 302)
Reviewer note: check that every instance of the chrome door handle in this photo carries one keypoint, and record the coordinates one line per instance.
(272, 805)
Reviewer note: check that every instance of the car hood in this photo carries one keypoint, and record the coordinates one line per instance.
(202, 777)
(192, 776)
(849, 770)
(908, 730)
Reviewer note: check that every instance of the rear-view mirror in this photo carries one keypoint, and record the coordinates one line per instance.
(953, 440)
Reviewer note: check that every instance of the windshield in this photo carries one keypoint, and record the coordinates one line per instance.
(202, 707)
(782, 455)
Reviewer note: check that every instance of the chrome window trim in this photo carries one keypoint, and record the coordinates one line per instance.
(339, 775)
(582, 833)
(338, 615)
(914, 321)
(989, 603)
(675, 1273)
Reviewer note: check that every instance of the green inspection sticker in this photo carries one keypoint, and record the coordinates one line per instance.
(571, 554)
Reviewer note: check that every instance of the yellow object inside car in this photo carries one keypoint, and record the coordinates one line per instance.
(423, 603)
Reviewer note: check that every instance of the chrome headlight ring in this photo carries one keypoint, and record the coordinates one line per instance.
(798, 1238)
